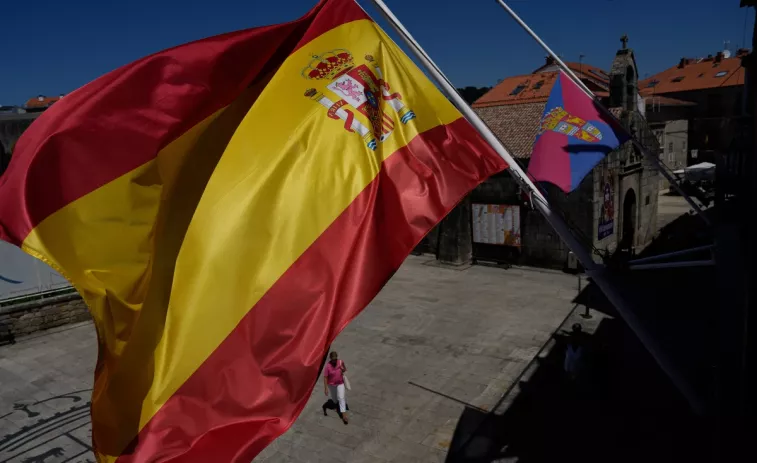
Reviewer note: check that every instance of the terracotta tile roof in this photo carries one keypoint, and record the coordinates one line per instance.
(695, 74)
(41, 101)
(658, 100)
(583, 70)
(532, 88)
(519, 89)
(514, 125)
(514, 107)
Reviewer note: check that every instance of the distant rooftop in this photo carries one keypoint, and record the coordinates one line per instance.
(692, 74)
(535, 87)
(42, 101)
(514, 107)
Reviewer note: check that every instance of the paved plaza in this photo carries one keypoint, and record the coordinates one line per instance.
(435, 339)
(670, 207)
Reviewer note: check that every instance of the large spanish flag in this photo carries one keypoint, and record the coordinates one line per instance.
(225, 208)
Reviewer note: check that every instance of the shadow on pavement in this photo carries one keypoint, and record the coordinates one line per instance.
(621, 408)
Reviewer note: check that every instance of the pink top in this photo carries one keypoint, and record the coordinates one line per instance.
(333, 374)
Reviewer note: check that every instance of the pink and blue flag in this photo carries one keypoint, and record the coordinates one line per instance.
(574, 136)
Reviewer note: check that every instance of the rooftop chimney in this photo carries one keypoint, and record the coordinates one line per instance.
(550, 60)
(719, 57)
(683, 63)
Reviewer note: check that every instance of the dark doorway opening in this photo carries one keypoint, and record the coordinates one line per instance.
(629, 220)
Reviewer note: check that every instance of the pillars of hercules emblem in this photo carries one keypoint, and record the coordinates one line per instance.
(393, 99)
(337, 111)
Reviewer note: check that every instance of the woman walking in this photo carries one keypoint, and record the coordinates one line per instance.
(333, 385)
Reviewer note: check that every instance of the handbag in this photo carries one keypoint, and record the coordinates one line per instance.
(344, 377)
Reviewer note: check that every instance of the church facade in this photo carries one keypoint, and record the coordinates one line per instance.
(615, 205)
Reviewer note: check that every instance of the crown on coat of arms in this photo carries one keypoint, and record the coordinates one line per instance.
(552, 118)
(329, 65)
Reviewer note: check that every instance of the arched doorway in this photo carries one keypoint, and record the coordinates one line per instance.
(629, 219)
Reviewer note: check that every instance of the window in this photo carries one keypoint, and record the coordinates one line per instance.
(678, 79)
(701, 75)
(646, 201)
(518, 89)
(538, 85)
(721, 74)
(653, 83)
(670, 147)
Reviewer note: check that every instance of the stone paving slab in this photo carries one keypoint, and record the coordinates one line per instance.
(462, 336)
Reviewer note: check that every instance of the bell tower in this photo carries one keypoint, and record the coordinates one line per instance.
(624, 78)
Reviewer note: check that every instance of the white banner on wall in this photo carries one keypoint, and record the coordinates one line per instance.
(496, 224)
(22, 274)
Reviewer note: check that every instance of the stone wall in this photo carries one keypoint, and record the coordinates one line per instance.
(649, 182)
(650, 192)
(541, 245)
(42, 314)
(674, 148)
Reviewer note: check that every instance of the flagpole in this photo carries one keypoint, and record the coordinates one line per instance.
(595, 271)
(651, 157)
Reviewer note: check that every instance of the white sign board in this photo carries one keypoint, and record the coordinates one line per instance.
(641, 105)
(22, 274)
(496, 224)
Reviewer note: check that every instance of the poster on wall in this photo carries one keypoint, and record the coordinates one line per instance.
(607, 210)
(496, 224)
(23, 275)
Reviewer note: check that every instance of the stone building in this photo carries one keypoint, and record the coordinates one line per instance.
(695, 107)
(673, 136)
(615, 205)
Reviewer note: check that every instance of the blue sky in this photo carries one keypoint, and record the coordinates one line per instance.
(51, 46)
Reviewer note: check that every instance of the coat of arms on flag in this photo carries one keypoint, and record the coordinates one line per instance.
(358, 88)
(560, 121)
(574, 135)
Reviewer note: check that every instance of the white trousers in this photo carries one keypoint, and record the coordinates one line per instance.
(337, 395)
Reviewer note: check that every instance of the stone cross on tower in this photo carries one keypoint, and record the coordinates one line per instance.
(624, 39)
